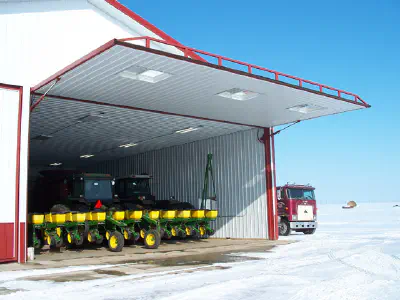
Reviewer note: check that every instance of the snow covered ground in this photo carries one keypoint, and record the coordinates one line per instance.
(355, 254)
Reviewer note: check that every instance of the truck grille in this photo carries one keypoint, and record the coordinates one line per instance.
(305, 213)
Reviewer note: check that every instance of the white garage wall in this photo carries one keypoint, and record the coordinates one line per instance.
(239, 170)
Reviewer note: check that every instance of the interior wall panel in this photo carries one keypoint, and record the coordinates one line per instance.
(239, 170)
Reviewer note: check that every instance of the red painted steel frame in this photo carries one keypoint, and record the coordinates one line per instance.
(17, 179)
(148, 25)
(250, 67)
(44, 95)
(270, 176)
(122, 42)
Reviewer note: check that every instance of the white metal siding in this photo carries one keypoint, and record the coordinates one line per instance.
(42, 37)
(38, 38)
(239, 169)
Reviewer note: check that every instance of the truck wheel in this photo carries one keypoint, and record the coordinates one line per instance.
(116, 241)
(284, 227)
(310, 231)
(152, 239)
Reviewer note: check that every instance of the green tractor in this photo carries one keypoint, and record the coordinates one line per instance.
(60, 191)
(134, 193)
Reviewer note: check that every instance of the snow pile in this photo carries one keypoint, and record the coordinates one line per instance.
(353, 255)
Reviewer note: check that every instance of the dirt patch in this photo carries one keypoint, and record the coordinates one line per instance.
(110, 272)
(4, 291)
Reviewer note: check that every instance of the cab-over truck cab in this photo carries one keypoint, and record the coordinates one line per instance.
(297, 209)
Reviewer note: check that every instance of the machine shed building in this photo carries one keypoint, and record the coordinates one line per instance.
(88, 77)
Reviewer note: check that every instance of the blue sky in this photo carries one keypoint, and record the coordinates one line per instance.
(351, 45)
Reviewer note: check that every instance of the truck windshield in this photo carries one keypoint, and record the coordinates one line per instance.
(301, 194)
(138, 186)
(98, 189)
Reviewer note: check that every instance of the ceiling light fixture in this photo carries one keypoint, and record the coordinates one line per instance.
(87, 155)
(306, 108)
(238, 94)
(143, 74)
(56, 164)
(127, 145)
(186, 130)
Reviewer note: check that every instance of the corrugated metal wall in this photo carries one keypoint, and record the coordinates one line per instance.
(239, 170)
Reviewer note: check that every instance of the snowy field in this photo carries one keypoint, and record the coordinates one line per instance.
(355, 254)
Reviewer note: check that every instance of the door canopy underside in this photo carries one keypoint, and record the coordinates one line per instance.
(227, 96)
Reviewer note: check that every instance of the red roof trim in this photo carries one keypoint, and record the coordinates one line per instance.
(148, 25)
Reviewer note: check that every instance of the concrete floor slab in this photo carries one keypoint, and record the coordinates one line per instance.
(137, 259)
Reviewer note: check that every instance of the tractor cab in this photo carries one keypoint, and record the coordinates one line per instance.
(64, 190)
(91, 190)
(134, 192)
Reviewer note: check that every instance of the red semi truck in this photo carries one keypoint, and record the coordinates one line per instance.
(297, 209)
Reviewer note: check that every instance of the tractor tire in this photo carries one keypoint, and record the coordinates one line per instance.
(202, 232)
(195, 235)
(100, 240)
(167, 235)
(152, 239)
(210, 232)
(116, 242)
(182, 234)
(38, 244)
(310, 231)
(284, 227)
(54, 244)
(162, 232)
(174, 231)
(189, 230)
(81, 239)
(60, 208)
(68, 241)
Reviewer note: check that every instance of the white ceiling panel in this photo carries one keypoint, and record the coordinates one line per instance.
(192, 89)
(102, 137)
